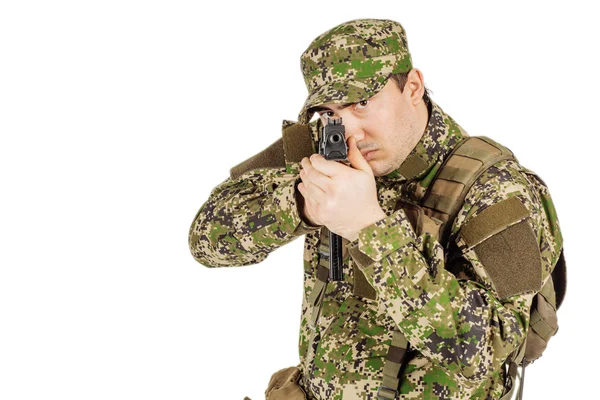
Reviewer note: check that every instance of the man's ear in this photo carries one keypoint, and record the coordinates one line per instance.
(416, 86)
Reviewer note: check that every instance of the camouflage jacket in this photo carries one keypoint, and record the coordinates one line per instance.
(459, 327)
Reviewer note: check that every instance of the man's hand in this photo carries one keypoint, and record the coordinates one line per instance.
(340, 197)
(304, 212)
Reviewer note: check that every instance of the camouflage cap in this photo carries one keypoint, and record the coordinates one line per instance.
(352, 62)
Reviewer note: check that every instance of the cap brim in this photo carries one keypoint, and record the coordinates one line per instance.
(349, 91)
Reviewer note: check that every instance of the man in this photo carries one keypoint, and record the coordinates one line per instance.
(460, 302)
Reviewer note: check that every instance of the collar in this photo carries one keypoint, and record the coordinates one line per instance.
(440, 137)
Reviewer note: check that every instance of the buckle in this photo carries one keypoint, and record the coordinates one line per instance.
(383, 396)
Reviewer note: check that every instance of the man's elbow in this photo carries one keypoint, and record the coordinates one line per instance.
(198, 249)
(211, 255)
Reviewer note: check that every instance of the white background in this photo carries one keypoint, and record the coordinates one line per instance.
(119, 117)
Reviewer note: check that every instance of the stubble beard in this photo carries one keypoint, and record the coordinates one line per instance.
(401, 143)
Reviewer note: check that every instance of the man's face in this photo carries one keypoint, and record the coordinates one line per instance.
(387, 126)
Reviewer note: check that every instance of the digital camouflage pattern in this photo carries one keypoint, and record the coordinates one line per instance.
(462, 332)
(352, 62)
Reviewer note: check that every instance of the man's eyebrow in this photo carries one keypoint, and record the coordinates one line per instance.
(321, 108)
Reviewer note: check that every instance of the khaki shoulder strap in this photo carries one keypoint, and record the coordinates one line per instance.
(469, 159)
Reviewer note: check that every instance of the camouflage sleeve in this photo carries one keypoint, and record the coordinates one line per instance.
(458, 322)
(246, 218)
(255, 210)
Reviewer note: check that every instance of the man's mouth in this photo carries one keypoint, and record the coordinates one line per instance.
(367, 155)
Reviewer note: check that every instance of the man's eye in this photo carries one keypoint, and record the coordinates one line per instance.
(362, 104)
(327, 114)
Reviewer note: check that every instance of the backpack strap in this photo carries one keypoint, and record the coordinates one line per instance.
(465, 164)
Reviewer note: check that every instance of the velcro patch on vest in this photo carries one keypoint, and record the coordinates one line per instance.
(504, 241)
(362, 287)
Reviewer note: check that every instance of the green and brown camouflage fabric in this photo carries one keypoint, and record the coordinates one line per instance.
(460, 329)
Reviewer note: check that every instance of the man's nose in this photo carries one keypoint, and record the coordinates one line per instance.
(353, 129)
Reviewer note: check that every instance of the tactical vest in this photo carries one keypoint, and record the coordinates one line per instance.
(435, 215)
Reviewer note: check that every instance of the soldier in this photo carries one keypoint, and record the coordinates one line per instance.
(447, 239)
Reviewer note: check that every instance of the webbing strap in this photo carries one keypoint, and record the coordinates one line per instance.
(537, 322)
(519, 354)
(387, 393)
(394, 363)
(456, 174)
(549, 293)
(515, 381)
(463, 166)
(540, 326)
(316, 300)
(318, 291)
(516, 373)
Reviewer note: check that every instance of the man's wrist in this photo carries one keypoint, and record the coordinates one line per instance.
(378, 216)
(300, 204)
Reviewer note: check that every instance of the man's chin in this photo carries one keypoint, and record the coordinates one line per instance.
(376, 168)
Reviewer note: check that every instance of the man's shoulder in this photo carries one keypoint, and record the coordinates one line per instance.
(498, 226)
(501, 181)
(478, 173)
(504, 185)
(500, 175)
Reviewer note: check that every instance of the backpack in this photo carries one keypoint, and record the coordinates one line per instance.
(435, 215)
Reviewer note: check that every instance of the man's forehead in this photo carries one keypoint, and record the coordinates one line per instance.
(331, 107)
